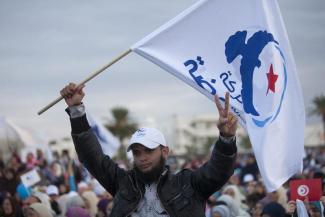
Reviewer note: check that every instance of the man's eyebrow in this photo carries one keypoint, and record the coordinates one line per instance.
(148, 149)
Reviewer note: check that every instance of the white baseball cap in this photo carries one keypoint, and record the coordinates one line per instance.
(248, 178)
(52, 190)
(148, 137)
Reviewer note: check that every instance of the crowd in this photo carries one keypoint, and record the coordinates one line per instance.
(67, 189)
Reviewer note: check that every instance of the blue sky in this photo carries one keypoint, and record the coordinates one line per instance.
(46, 44)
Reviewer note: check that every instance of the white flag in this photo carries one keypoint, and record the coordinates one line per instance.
(30, 178)
(107, 140)
(301, 209)
(240, 47)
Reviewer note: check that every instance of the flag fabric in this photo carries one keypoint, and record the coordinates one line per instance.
(302, 188)
(107, 140)
(30, 178)
(301, 209)
(240, 47)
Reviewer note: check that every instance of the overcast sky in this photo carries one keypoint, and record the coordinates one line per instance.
(46, 44)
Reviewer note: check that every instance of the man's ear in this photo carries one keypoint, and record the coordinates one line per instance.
(165, 151)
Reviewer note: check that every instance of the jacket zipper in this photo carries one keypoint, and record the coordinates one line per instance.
(164, 173)
(135, 191)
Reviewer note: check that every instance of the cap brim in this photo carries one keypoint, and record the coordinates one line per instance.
(146, 143)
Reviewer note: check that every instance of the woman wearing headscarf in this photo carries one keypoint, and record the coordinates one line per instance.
(234, 192)
(234, 209)
(238, 198)
(220, 211)
(91, 201)
(37, 210)
(102, 204)
(74, 200)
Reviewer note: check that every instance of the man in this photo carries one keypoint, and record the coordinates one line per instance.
(149, 189)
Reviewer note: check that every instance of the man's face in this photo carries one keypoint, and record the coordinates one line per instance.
(145, 159)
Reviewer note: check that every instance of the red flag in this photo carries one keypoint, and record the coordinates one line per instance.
(302, 188)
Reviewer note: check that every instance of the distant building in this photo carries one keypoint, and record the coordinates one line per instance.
(202, 129)
(314, 135)
(198, 131)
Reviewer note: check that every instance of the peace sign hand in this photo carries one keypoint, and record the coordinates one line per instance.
(227, 123)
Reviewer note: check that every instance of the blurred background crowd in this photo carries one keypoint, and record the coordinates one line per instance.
(67, 189)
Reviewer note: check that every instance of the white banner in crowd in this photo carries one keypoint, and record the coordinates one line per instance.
(30, 178)
(240, 47)
(109, 143)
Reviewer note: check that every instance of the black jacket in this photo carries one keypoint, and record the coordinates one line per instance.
(182, 194)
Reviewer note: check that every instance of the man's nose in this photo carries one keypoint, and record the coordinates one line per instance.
(143, 157)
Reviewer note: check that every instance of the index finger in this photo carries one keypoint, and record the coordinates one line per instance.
(218, 104)
(80, 87)
(227, 103)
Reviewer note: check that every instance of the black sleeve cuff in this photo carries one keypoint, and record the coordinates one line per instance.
(226, 148)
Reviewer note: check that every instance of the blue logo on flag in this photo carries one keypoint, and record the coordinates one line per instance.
(259, 63)
(250, 63)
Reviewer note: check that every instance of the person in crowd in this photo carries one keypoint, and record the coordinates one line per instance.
(16, 164)
(250, 167)
(103, 207)
(257, 210)
(149, 189)
(77, 212)
(53, 192)
(75, 199)
(91, 201)
(55, 175)
(82, 187)
(235, 178)
(273, 209)
(65, 158)
(9, 180)
(10, 208)
(31, 161)
(236, 194)
(37, 210)
(220, 211)
(234, 208)
(38, 197)
(40, 158)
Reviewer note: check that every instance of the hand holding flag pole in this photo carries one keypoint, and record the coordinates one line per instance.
(94, 74)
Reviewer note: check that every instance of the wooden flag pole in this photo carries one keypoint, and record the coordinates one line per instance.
(94, 74)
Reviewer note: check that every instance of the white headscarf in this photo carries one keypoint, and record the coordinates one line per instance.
(238, 196)
(231, 204)
(92, 200)
(41, 210)
(44, 198)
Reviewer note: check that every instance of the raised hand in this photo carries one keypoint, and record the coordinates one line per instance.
(291, 207)
(73, 94)
(227, 123)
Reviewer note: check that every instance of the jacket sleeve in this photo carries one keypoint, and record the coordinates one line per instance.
(90, 153)
(211, 176)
